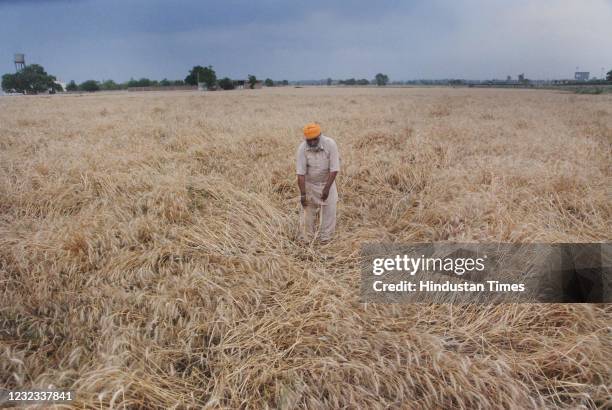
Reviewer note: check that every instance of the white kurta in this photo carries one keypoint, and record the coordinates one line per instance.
(316, 164)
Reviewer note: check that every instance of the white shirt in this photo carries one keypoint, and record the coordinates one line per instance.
(316, 163)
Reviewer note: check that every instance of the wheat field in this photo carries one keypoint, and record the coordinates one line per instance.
(149, 254)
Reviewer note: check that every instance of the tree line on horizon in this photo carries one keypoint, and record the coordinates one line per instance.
(380, 80)
(33, 79)
(198, 74)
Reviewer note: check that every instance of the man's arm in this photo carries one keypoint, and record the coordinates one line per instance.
(301, 179)
(328, 184)
(334, 167)
(301, 172)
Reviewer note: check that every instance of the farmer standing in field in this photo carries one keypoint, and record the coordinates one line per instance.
(317, 165)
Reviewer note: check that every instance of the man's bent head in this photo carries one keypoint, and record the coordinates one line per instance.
(312, 131)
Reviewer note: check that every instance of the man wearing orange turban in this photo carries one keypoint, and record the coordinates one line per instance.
(318, 164)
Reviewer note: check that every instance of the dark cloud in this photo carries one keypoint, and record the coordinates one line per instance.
(25, 2)
(308, 39)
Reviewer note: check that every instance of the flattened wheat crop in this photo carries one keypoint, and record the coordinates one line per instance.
(149, 254)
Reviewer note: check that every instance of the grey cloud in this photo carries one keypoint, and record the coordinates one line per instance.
(315, 39)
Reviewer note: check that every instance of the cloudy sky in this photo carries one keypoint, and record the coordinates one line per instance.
(409, 39)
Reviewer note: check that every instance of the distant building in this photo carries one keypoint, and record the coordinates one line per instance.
(61, 84)
(509, 78)
(581, 76)
(244, 84)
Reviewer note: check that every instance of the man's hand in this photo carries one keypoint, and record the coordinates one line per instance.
(301, 179)
(325, 193)
(328, 185)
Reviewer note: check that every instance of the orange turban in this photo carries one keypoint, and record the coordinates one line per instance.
(312, 131)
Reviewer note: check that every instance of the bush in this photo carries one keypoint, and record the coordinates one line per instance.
(72, 86)
(381, 79)
(226, 84)
(32, 79)
(143, 82)
(204, 74)
(110, 85)
(252, 81)
(89, 86)
(590, 90)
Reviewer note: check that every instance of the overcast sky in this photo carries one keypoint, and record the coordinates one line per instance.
(314, 39)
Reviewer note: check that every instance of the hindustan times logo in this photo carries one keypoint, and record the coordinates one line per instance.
(404, 263)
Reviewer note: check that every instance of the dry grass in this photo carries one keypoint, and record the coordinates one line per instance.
(148, 252)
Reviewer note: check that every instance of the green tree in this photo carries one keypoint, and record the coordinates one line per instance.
(72, 86)
(204, 74)
(285, 82)
(144, 82)
(269, 83)
(164, 82)
(609, 75)
(110, 85)
(350, 81)
(252, 81)
(226, 84)
(11, 83)
(381, 79)
(89, 85)
(363, 81)
(32, 79)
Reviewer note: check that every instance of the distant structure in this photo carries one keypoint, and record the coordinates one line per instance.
(19, 62)
(61, 84)
(582, 75)
(244, 84)
(521, 77)
(509, 78)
